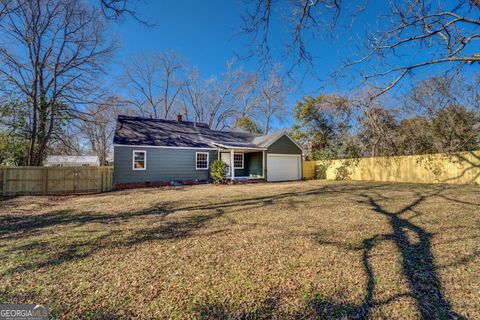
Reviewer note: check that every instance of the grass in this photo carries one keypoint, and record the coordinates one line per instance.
(288, 250)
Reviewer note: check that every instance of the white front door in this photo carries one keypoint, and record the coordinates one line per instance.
(283, 167)
(226, 158)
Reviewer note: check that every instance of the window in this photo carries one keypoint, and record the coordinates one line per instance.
(238, 160)
(139, 160)
(201, 161)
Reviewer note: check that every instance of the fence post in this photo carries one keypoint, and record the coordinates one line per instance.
(101, 179)
(5, 181)
(75, 179)
(45, 180)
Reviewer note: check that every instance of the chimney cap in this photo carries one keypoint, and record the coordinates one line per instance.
(179, 117)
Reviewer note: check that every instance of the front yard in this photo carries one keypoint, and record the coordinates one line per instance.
(288, 250)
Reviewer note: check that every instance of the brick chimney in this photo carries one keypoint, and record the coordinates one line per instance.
(179, 117)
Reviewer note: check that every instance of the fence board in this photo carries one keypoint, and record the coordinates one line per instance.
(458, 168)
(54, 180)
(308, 169)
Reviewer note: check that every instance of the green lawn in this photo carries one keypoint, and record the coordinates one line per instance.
(287, 250)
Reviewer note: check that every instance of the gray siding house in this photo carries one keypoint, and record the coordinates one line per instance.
(153, 151)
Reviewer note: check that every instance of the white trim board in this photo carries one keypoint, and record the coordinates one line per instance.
(240, 148)
(284, 154)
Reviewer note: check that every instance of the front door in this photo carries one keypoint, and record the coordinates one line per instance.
(226, 158)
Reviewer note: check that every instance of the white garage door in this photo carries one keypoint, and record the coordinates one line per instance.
(282, 167)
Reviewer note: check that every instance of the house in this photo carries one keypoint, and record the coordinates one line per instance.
(72, 161)
(155, 152)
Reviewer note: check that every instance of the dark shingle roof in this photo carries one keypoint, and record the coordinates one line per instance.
(168, 133)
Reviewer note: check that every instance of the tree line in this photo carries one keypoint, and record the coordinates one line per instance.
(438, 115)
(161, 85)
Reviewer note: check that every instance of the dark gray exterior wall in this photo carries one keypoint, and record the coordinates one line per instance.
(254, 161)
(163, 164)
(284, 146)
(242, 172)
(252, 165)
(168, 164)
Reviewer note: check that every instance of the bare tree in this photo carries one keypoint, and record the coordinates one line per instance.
(193, 97)
(247, 95)
(120, 9)
(97, 126)
(273, 94)
(300, 17)
(451, 107)
(52, 54)
(214, 100)
(8, 6)
(433, 94)
(444, 32)
(67, 141)
(376, 125)
(155, 81)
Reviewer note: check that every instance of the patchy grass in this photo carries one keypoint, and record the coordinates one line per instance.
(288, 250)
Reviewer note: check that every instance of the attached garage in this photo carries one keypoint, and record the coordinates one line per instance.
(284, 167)
(283, 159)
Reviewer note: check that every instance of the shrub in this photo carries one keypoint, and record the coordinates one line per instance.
(218, 170)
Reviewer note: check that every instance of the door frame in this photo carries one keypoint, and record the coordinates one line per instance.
(228, 163)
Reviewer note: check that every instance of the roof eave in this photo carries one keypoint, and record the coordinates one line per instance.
(161, 147)
(239, 147)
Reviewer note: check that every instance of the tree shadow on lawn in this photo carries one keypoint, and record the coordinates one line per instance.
(315, 308)
(59, 251)
(165, 225)
(26, 224)
(418, 264)
(418, 268)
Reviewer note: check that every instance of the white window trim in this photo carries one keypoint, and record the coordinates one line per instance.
(196, 162)
(144, 160)
(243, 160)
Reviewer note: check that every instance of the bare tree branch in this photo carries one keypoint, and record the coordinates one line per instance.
(155, 81)
(64, 52)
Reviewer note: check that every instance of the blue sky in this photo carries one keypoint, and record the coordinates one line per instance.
(205, 33)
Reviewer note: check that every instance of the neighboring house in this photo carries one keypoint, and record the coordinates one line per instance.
(72, 161)
(150, 151)
(109, 159)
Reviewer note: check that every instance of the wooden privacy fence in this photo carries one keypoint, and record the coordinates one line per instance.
(458, 168)
(54, 180)
(308, 170)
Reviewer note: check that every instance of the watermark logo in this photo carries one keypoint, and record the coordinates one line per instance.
(23, 312)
